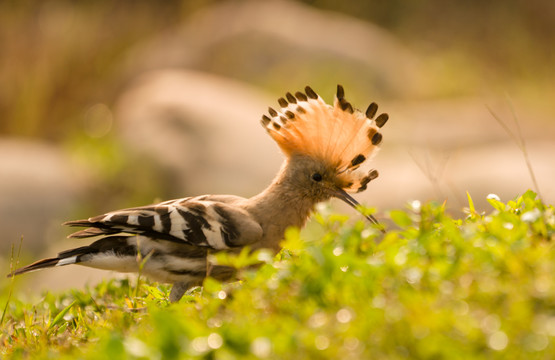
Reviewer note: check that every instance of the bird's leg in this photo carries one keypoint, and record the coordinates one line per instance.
(209, 265)
(178, 289)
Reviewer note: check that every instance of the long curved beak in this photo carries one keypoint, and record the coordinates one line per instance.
(343, 195)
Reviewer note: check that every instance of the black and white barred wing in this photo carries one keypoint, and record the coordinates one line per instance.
(203, 223)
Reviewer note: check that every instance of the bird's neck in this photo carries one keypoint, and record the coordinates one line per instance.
(280, 205)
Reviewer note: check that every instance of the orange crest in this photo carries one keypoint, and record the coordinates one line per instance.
(339, 135)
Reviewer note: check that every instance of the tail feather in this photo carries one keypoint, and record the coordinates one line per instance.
(92, 229)
(92, 232)
(37, 265)
(116, 245)
(82, 250)
(84, 222)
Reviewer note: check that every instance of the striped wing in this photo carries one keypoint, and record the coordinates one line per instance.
(199, 221)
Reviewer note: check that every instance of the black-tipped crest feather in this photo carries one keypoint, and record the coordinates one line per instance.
(339, 135)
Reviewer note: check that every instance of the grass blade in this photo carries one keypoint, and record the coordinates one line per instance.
(61, 315)
(518, 138)
(12, 268)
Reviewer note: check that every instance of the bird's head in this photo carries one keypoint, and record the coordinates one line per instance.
(329, 148)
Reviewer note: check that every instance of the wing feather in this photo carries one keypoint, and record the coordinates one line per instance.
(202, 221)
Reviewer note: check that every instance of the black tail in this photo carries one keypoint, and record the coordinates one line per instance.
(37, 265)
(117, 245)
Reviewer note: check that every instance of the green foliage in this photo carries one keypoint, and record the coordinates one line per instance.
(432, 287)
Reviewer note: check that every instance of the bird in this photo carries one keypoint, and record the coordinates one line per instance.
(328, 151)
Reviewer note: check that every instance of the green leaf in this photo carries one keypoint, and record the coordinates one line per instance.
(238, 261)
(470, 203)
(154, 291)
(293, 241)
(400, 218)
(61, 315)
(495, 202)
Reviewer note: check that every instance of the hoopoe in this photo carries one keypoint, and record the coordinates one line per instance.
(327, 154)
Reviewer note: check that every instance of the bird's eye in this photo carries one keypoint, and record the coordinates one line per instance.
(317, 177)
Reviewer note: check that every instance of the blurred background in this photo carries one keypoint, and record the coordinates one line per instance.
(105, 105)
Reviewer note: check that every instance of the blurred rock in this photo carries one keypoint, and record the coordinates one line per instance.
(284, 43)
(38, 189)
(202, 127)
